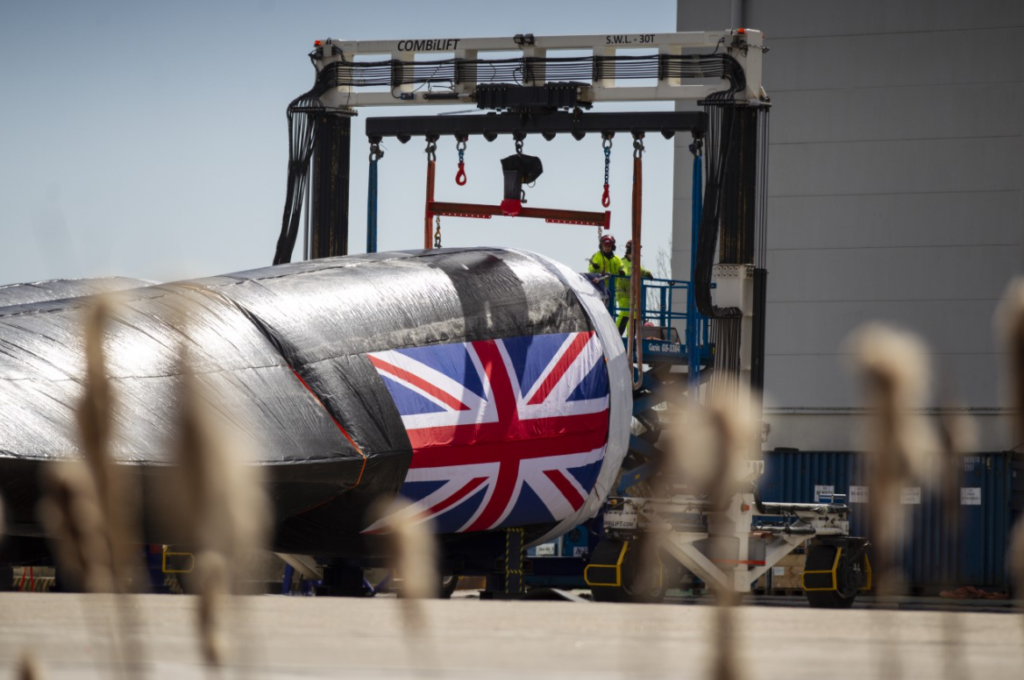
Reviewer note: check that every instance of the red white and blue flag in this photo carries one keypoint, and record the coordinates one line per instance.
(507, 432)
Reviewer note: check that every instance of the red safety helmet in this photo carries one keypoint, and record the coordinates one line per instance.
(609, 239)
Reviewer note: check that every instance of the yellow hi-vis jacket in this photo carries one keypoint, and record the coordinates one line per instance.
(622, 284)
(605, 264)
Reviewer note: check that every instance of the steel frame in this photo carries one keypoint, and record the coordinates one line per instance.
(551, 215)
(661, 519)
(654, 517)
(744, 45)
(666, 123)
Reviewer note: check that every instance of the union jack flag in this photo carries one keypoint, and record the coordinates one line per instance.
(505, 432)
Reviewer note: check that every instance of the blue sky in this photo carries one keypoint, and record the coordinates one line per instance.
(149, 139)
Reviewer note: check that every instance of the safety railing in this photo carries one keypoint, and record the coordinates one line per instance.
(657, 305)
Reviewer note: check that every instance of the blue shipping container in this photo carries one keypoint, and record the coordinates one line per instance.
(992, 498)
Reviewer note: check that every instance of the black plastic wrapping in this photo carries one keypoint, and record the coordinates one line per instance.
(62, 289)
(283, 349)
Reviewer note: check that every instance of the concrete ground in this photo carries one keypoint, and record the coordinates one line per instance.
(296, 637)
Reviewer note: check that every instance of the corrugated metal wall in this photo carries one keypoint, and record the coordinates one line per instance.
(895, 193)
(992, 496)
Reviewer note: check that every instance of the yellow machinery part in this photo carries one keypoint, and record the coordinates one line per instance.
(617, 567)
(832, 573)
(163, 565)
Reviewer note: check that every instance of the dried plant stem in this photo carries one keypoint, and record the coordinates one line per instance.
(1017, 564)
(116, 500)
(958, 438)
(70, 513)
(214, 583)
(1010, 324)
(726, 666)
(893, 366)
(28, 668)
(711, 455)
(413, 552)
(223, 509)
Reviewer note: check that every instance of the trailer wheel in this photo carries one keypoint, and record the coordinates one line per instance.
(835, 573)
(626, 571)
(448, 585)
(829, 600)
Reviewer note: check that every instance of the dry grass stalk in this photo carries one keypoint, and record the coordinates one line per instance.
(711, 454)
(28, 668)
(82, 509)
(712, 449)
(71, 515)
(726, 653)
(1017, 561)
(1010, 327)
(213, 587)
(413, 557)
(220, 506)
(95, 417)
(412, 547)
(894, 368)
(117, 501)
(958, 437)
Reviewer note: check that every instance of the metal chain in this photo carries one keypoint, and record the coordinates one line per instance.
(431, 150)
(460, 176)
(519, 146)
(437, 232)
(638, 146)
(606, 199)
(607, 159)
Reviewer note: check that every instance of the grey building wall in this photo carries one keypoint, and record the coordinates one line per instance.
(895, 193)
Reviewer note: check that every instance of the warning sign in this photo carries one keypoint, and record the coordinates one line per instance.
(858, 494)
(970, 495)
(823, 490)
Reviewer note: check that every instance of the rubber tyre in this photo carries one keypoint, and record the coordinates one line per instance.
(7, 578)
(631, 590)
(828, 599)
(821, 557)
(448, 585)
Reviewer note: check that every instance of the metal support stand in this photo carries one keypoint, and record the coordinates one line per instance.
(329, 233)
(732, 547)
(343, 581)
(371, 201)
(510, 582)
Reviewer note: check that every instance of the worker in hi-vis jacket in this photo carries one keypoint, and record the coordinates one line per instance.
(605, 261)
(622, 286)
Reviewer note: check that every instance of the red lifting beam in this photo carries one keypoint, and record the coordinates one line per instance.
(593, 219)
